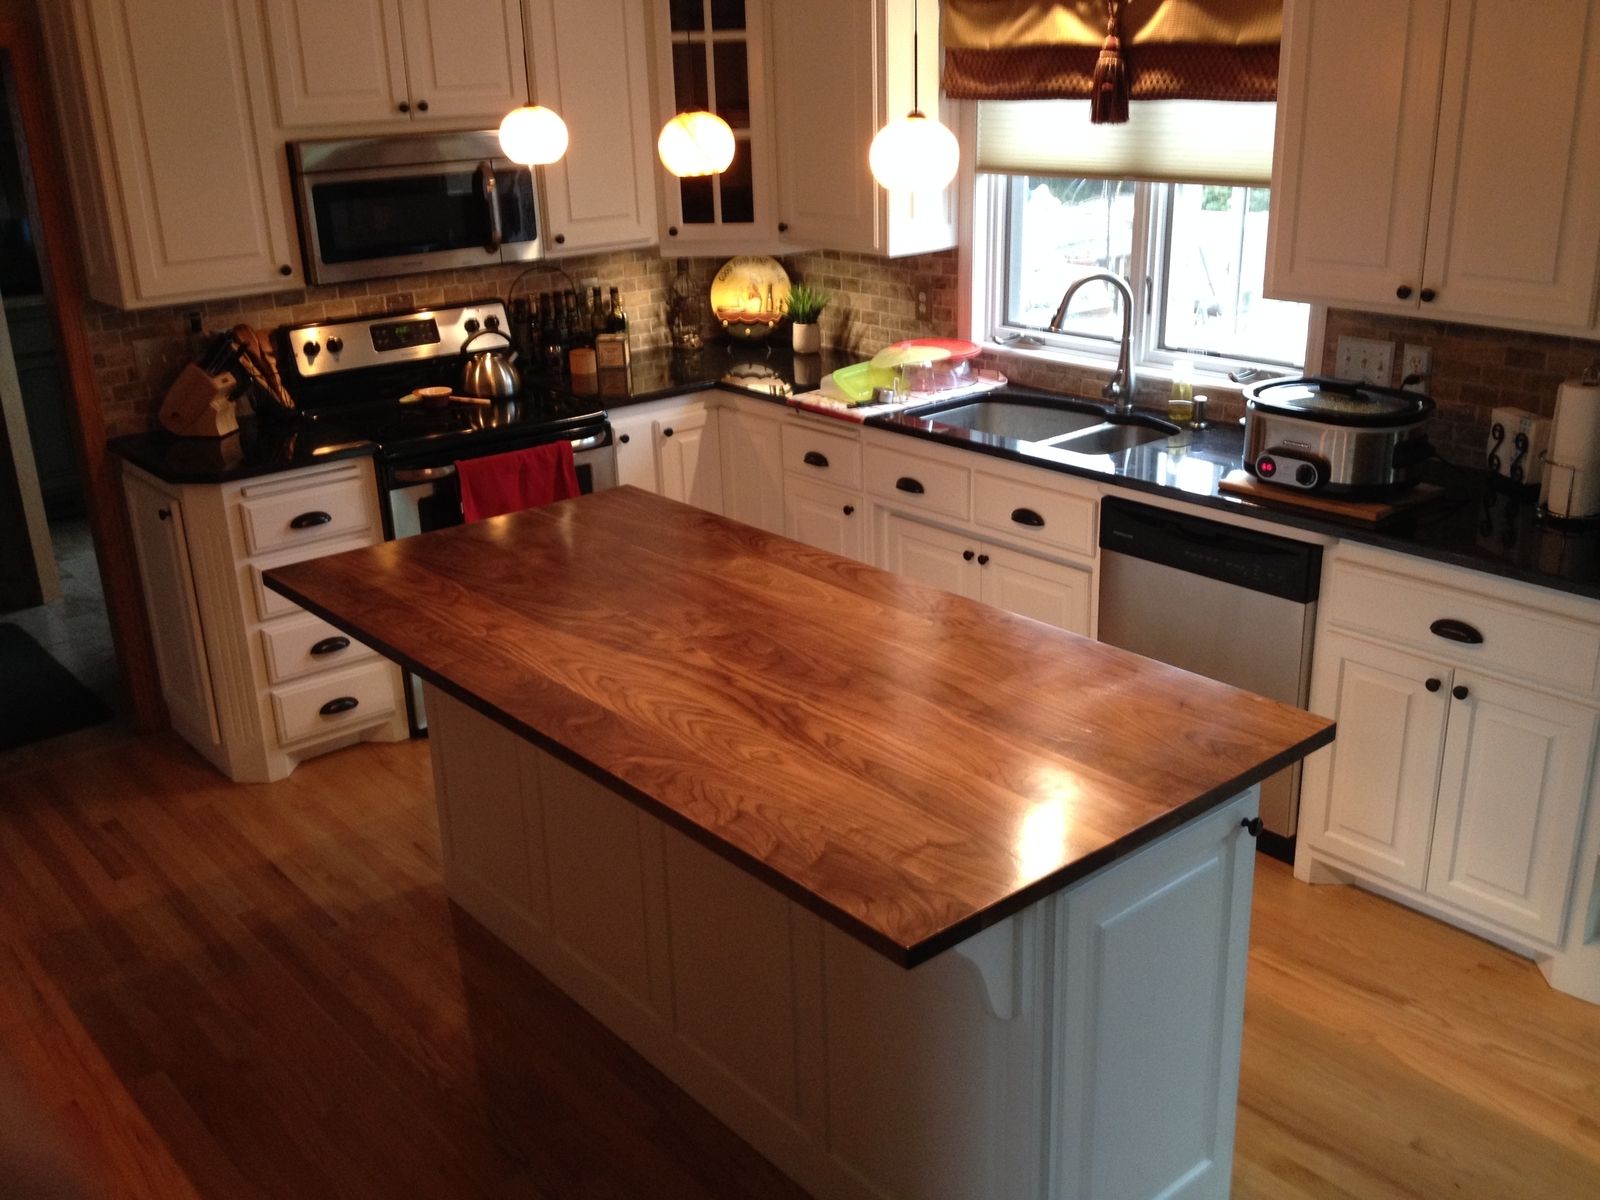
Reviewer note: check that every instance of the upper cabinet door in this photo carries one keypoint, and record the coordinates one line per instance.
(1357, 110)
(1514, 227)
(203, 197)
(336, 61)
(464, 58)
(591, 64)
(844, 70)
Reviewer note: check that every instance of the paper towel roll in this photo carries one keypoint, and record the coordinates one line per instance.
(1575, 444)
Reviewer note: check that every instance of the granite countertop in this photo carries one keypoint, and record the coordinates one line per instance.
(255, 448)
(766, 369)
(879, 750)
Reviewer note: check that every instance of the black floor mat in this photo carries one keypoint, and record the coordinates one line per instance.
(39, 698)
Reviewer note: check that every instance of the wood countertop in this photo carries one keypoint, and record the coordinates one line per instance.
(910, 765)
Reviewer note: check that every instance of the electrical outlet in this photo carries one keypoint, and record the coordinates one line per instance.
(923, 295)
(1416, 361)
(1366, 359)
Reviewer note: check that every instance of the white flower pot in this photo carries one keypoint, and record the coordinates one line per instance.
(807, 338)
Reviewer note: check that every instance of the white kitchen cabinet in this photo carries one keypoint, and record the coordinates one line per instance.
(180, 188)
(253, 682)
(752, 466)
(632, 431)
(161, 544)
(824, 515)
(589, 61)
(844, 71)
(352, 62)
(1433, 180)
(688, 458)
(1468, 717)
(937, 557)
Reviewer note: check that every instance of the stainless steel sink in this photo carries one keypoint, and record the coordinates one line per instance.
(1019, 420)
(1110, 438)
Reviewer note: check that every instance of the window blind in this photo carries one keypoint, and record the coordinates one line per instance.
(1181, 141)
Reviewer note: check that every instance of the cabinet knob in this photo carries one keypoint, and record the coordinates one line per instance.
(1403, 291)
(968, 555)
(1433, 685)
(783, 227)
(422, 106)
(1251, 825)
(1460, 691)
(1427, 295)
(285, 270)
(164, 514)
(672, 231)
(849, 509)
(561, 239)
(403, 107)
(667, 432)
(983, 560)
(624, 438)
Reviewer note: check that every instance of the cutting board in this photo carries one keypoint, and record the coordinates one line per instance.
(1240, 482)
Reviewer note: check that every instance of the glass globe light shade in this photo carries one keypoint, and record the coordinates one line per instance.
(533, 135)
(914, 153)
(696, 143)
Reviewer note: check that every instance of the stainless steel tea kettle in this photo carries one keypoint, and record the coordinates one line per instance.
(489, 373)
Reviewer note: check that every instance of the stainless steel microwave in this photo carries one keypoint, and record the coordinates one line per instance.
(370, 207)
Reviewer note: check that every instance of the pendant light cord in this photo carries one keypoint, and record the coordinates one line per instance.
(916, 58)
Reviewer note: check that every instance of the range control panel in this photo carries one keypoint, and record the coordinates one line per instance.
(328, 348)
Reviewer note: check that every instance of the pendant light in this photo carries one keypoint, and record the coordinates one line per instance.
(533, 135)
(914, 152)
(696, 142)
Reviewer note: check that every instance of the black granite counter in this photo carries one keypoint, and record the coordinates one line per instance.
(1477, 523)
(256, 448)
(769, 370)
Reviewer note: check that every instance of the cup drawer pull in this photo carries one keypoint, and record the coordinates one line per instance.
(1026, 516)
(815, 459)
(331, 645)
(1456, 631)
(310, 520)
(907, 484)
(342, 705)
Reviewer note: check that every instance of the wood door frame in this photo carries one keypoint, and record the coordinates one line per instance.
(45, 183)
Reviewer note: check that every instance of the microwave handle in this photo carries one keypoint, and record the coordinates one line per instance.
(492, 202)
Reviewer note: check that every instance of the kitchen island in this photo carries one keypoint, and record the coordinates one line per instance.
(923, 899)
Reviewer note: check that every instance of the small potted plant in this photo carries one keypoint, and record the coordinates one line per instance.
(804, 306)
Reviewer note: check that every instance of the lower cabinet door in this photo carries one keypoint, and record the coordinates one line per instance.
(1052, 592)
(931, 555)
(1370, 796)
(823, 516)
(1516, 767)
(688, 460)
(752, 469)
(636, 456)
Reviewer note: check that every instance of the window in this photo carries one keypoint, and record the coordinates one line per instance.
(1193, 254)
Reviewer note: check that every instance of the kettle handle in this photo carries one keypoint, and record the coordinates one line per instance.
(499, 333)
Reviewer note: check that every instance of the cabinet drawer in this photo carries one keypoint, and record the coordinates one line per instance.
(1541, 647)
(298, 708)
(312, 514)
(305, 645)
(918, 483)
(831, 457)
(271, 604)
(1033, 511)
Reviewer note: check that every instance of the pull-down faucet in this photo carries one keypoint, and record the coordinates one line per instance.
(1120, 390)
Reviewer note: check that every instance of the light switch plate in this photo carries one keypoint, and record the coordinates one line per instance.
(1367, 359)
(1416, 360)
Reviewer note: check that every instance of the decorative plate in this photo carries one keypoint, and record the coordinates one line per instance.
(748, 295)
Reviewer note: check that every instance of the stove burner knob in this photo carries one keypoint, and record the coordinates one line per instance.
(1305, 475)
(491, 322)
(335, 345)
(470, 325)
(311, 351)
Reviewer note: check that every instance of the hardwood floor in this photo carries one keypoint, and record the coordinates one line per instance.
(260, 991)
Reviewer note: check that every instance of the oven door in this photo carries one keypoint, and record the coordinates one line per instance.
(370, 222)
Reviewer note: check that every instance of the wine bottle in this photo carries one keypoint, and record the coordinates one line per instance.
(617, 318)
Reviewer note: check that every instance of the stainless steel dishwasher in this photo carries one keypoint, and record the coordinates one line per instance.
(1225, 602)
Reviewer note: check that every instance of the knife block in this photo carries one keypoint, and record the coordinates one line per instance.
(199, 405)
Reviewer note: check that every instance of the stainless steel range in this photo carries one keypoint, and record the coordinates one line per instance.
(361, 378)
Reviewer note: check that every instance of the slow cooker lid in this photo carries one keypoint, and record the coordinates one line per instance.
(1339, 401)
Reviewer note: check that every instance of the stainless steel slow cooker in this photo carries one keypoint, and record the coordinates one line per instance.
(1332, 435)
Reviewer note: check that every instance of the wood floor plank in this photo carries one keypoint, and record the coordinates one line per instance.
(262, 992)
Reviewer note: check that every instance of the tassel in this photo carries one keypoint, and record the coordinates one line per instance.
(1108, 98)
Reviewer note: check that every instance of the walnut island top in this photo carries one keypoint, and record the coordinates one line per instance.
(910, 765)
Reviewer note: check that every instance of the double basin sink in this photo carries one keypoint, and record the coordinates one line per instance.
(1037, 421)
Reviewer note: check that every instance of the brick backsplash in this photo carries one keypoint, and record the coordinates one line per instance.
(1473, 371)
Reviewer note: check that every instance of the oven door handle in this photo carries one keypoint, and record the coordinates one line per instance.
(492, 203)
(589, 443)
(424, 474)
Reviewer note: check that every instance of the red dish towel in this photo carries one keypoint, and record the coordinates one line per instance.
(507, 483)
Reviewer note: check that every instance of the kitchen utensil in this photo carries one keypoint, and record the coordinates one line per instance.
(1334, 435)
(1517, 442)
(1571, 486)
(489, 372)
